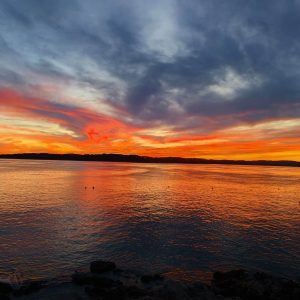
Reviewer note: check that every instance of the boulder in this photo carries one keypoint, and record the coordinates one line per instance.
(29, 287)
(5, 288)
(171, 290)
(116, 293)
(81, 278)
(95, 280)
(101, 266)
(134, 292)
(151, 278)
(260, 286)
(199, 290)
(4, 296)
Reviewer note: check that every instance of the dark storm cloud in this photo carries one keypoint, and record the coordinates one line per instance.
(170, 62)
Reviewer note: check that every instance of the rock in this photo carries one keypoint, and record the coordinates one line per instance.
(95, 280)
(4, 296)
(116, 293)
(134, 292)
(296, 294)
(5, 288)
(260, 286)
(29, 287)
(237, 283)
(201, 291)
(94, 291)
(150, 298)
(228, 283)
(56, 291)
(151, 278)
(235, 274)
(108, 283)
(171, 290)
(101, 266)
(80, 278)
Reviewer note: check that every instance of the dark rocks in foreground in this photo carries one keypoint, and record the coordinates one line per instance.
(106, 282)
(259, 286)
(5, 288)
(151, 278)
(101, 266)
(27, 287)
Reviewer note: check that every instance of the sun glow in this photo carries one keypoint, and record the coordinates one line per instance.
(37, 125)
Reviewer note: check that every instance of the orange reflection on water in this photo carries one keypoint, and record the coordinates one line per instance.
(176, 218)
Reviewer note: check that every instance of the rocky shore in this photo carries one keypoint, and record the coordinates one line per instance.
(105, 281)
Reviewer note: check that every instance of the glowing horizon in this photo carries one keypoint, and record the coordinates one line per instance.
(163, 80)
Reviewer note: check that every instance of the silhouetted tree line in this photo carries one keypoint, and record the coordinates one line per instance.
(145, 159)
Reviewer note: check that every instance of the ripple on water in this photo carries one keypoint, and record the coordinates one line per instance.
(185, 220)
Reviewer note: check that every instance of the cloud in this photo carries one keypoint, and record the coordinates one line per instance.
(193, 66)
(45, 116)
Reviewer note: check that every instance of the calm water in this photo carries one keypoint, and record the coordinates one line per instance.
(186, 220)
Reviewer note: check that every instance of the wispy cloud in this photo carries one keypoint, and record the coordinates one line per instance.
(114, 72)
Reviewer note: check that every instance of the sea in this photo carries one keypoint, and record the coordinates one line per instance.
(185, 221)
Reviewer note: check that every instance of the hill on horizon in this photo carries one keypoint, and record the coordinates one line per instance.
(145, 159)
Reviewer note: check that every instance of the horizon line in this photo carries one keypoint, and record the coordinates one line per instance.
(147, 159)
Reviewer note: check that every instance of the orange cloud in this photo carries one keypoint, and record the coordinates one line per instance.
(29, 124)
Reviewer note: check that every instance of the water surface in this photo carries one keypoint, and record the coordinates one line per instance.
(186, 220)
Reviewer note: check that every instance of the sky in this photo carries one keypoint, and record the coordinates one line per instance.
(210, 78)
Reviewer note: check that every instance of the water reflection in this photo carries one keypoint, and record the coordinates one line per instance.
(184, 219)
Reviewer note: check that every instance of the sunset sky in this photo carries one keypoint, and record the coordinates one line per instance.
(212, 79)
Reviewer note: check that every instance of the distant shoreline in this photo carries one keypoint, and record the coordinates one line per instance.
(146, 159)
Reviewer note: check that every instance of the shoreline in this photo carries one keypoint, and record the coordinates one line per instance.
(105, 281)
(148, 159)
